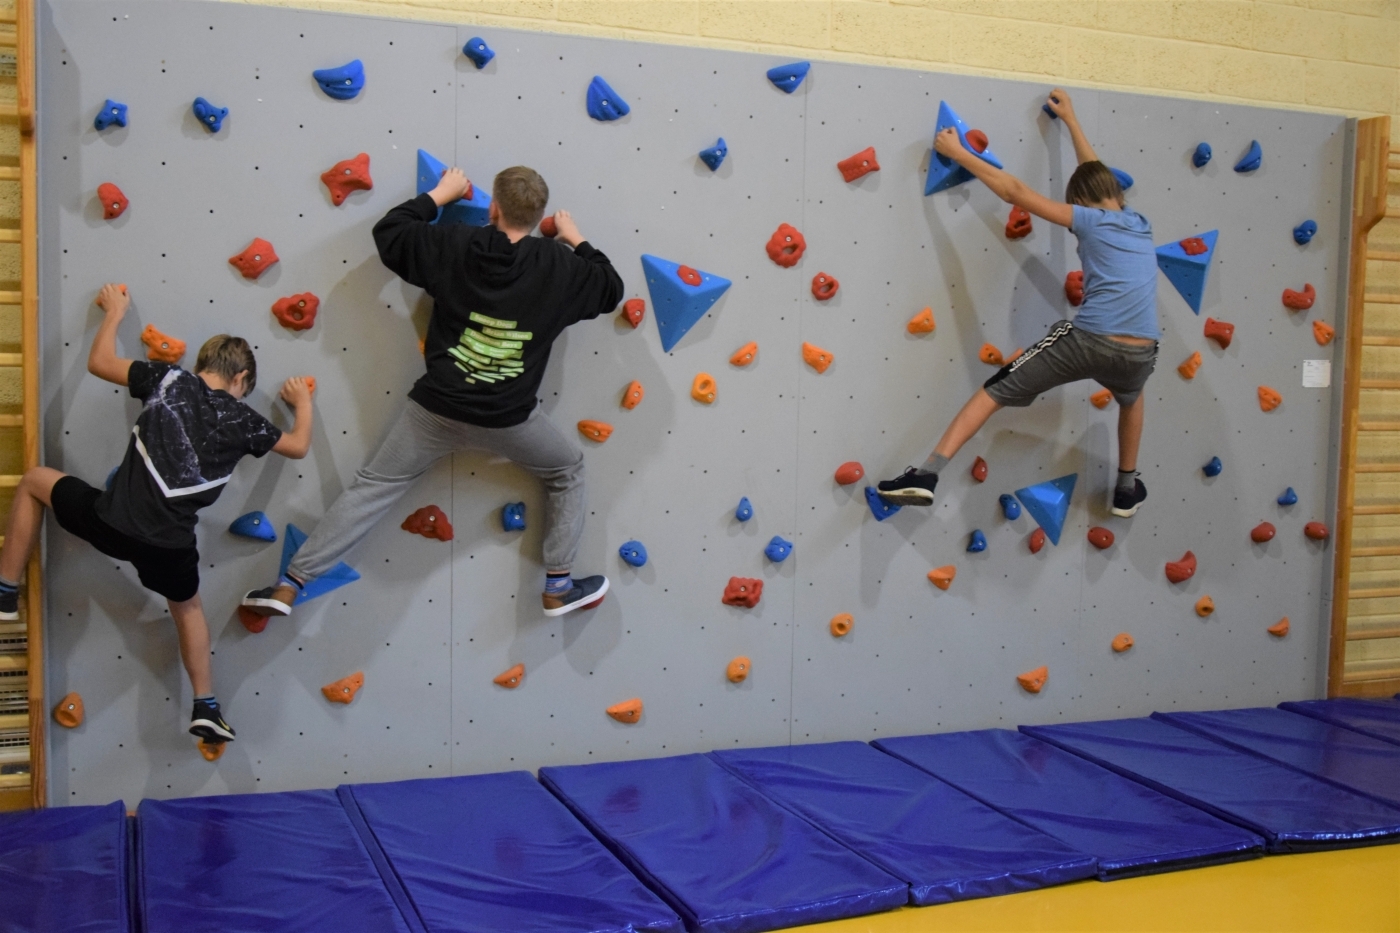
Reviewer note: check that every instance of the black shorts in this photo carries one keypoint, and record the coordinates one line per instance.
(1069, 354)
(171, 572)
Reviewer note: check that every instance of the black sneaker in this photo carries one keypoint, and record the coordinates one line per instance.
(271, 600)
(909, 488)
(209, 725)
(1125, 504)
(587, 593)
(9, 606)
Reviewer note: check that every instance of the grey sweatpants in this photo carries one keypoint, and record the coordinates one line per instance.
(418, 440)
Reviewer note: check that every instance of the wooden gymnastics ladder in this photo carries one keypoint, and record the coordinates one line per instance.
(1364, 658)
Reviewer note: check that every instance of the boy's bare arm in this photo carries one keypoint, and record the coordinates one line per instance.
(103, 361)
(1003, 184)
(1059, 102)
(568, 230)
(295, 443)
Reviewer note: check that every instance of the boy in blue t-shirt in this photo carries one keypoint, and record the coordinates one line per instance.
(1113, 339)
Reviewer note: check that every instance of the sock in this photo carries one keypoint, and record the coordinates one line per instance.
(289, 578)
(557, 584)
(1127, 480)
(7, 587)
(210, 701)
(934, 464)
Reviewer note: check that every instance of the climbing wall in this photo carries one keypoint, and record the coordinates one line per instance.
(431, 623)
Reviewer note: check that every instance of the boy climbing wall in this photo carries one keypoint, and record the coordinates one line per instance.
(192, 431)
(500, 298)
(1113, 339)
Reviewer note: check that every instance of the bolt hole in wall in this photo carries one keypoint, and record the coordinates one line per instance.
(708, 163)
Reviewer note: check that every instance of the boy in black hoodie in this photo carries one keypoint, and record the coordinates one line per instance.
(500, 297)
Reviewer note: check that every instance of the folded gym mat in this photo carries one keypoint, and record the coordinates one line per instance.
(498, 852)
(65, 869)
(946, 845)
(1293, 812)
(1334, 754)
(289, 862)
(1380, 719)
(724, 856)
(1130, 829)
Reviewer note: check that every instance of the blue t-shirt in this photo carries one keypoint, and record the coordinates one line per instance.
(1120, 272)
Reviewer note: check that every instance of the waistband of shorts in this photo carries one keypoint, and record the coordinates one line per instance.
(1109, 345)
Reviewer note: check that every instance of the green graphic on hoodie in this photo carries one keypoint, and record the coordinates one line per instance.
(492, 354)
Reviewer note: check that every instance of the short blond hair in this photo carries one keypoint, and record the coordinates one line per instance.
(521, 195)
(227, 356)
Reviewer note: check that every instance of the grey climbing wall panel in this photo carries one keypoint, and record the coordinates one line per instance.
(431, 623)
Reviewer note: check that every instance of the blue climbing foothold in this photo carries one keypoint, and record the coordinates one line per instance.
(1009, 507)
(1213, 468)
(678, 304)
(634, 553)
(254, 525)
(604, 104)
(1202, 155)
(714, 155)
(513, 516)
(1125, 181)
(778, 549)
(478, 51)
(977, 543)
(111, 114)
(209, 116)
(786, 78)
(1187, 271)
(943, 172)
(1289, 497)
(1048, 112)
(333, 579)
(1305, 231)
(879, 507)
(745, 510)
(1252, 159)
(342, 83)
(112, 476)
(473, 211)
(1048, 504)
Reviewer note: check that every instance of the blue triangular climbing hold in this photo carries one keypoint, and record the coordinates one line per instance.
(333, 579)
(714, 155)
(943, 172)
(605, 104)
(1048, 504)
(254, 525)
(471, 211)
(678, 304)
(786, 78)
(879, 507)
(1187, 272)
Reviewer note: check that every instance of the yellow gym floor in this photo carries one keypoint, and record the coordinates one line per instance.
(1355, 891)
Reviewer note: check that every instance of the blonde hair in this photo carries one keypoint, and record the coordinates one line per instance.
(228, 356)
(521, 195)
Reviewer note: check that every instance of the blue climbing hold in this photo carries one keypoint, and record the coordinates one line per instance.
(1048, 504)
(112, 476)
(342, 83)
(678, 304)
(778, 550)
(634, 553)
(786, 78)
(111, 114)
(1251, 159)
(1048, 112)
(513, 516)
(209, 116)
(977, 543)
(604, 104)
(943, 172)
(1289, 497)
(473, 211)
(478, 51)
(254, 525)
(1213, 468)
(714, 155)
(1125, 181)
(1009, 507)
(1202, 155)
(879, 507)
(1305, 231)
(745, 510)
(333, 579)
(1185, 271)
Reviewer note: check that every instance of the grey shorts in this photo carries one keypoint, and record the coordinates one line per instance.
(1068, 354)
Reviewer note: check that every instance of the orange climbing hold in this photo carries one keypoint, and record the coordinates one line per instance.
(1034, 681)
(1191, 365)
(743, 592)
(1269, 399)
(632, 395)
(786, 246)
(296, 312)
(254, 260)
(348, 175)
(1279, 628)
(344, 689)
(990, 355)
(1323, 333)
(1299, 301)
(942, 577)
(1074, 287)
(1179, 571)
(1101, 398)
(816, 357)
(744, 355)
(858, 165)
(510, 679)
(1205, 606)
(69, 711)
(310, 384)
(922, 323)
(430, 522)
(1262, 533)
(595, 430)
(1220, 332)
(979, 470)
(850, 472)
(1100, 538)
(212, 751)
(1036, 541)
(634, 309)
(161, 347)
(1018, 225)
(688, 275)
(738, 670)
(841, 624)
(98, 299)
(114, 203)
(1122, 642)
(628, 711)
(254, 622)
(977, 140)
(702, 389)
(824, 286)
(1316, 531)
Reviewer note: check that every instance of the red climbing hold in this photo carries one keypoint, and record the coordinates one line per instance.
(786, 246)
(344, 689)
(850, 472)
(824, 286)
(347, 176)
(1122, 642)
(977, 140)
(942, 577)
(628, 711)
(254, 260)
(1279, 628)
(990, 355)
(1036, 541)
(1189, 367)
(114, 203)
(632, 395)
(634, 309)
(688, 275)
(862, 163)
(816, 357)
(1101, 398)
(548, 228)
(1316, 531)
(1033, 681)
(743, 592)
(1299, 301)
(1269, 399)
(1323, 333)
(254, 622)
(1018, 225)
(1179, 571)
(296, 312)
(510, 679)
(430, 522)
(979, 470)
(745, 354)
(922, 323)
(1100, 538)
(1220, 332)
(1194, 246)
(1074, 287)
(69, 711)
(1262, 533)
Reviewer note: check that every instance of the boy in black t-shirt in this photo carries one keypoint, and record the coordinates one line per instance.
(191, 433)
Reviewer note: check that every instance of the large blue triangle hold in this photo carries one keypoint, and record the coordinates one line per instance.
(333, 579)
(1187, 272)
(470, 211)
(1048, 504)
(943, 172)
(676, 303)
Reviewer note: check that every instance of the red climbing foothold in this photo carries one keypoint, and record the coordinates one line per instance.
(824, 286)
(296, 312)
(1189, 367)
(1033, 681)
(254, 260)
(510, 679)
(1194, 246)
(1316, 531)
(595, 430)
(862, 163)
(1262, 533)
(1269, 399)
(1122, 642)
(160, 347)
(1100, 538)
(344, 689)
(1299, 301)
(1220, 332)
(347, 176)
(977, 140)
(1323, 333)
(738, 670)
(922, 323)
(688, 275)
(430, 522)
(702, 389)
(816, 357)
(1074, 287)
(841, 624)
(1036, 541)
(628, 711)
(942, 577)
(786, 246)
(212, 751)
(634, 309)
(114, 203)
(1279, 628)
(990, 355)
(744, 355)
(254, 622)
(69, 711)
(1179, 571)
(1101, 398)
(1205, 606)
(979, 470)
(743, 592)
(632, 395)
(1018, 225)
(850, 472)
(548, 228)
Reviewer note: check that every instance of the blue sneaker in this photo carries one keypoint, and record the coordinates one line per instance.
(587, 593)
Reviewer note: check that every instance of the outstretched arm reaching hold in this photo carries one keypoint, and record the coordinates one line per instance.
(1003, 184)
(295, 443)
(1059, 102)
(103, 361)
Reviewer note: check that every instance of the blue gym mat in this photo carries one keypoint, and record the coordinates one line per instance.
(724, 856)
(1292, 811)
(1380, 719)
(65, 869)
(1130, 829)
(498, 852)
(254, 863)
(947, 846)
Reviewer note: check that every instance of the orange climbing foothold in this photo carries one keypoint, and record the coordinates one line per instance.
(1018, 225)
(738, 670)
(254, 622)
(702, 389)
(1074, 287)
(922, 323)
(942, 577)
(595, 430)
(344, 689)
(634, 309)
(1036, 541)
(744, 355)
(632, 395)
(1122, 642)
(160, 347)
(628, 711)
(296, 312)
(1299, 301)
(212, 751)
(69, 711)
(1316, 531)
(1205, 606)
(1100, 538)
(786, 246)
(114, 203)
(1101, 398)
(850, 472)
(348, 175)
(1033, 681)
(977, 140)
(688, 275)
(816, 357)
(990, 355)
(979, 470)
(1279, 628)
(1269, 399)
(743, 592)
(824, 286)
(430, 522)
(841, 624)
(858, 165)
(548, 228)
(1263, 533)
(1193, 246)
(1323, 333)
(310, 384)
(510, 679)
(1190, 366)
(254, 260)
(1219, 331)
(1179, 571)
